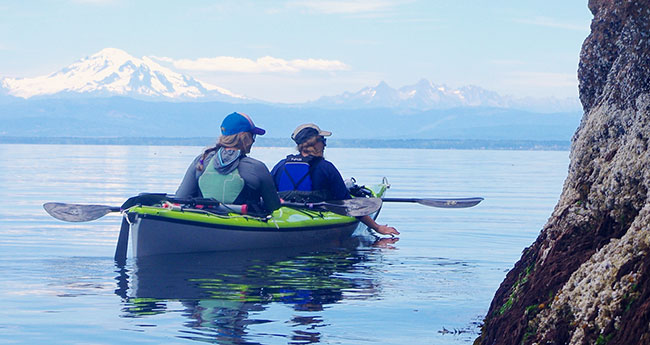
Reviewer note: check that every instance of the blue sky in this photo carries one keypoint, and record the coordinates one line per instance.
(298, 50)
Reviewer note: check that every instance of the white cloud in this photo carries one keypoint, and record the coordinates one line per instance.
(347, 6)
(552, 23)
(261, 65)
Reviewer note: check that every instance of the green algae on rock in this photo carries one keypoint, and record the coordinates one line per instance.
(591, 259)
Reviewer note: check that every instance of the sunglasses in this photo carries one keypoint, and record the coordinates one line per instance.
(323, 140)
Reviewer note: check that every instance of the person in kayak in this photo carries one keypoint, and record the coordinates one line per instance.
(225, 172)
(309, 177)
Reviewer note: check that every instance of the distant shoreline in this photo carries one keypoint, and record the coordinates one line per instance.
(468, 144)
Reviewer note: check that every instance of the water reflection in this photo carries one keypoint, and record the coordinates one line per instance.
(223, 295)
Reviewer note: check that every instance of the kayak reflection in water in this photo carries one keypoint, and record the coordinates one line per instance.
(225, 173)
(225, 295)
(309, 177)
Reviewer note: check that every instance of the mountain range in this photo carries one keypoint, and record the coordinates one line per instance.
(425, 95)
(112, 94)
(113, 72)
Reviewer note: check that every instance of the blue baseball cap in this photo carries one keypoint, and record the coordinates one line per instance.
(238, 123)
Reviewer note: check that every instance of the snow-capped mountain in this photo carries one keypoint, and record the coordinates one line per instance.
(113, 72)
(425, 95)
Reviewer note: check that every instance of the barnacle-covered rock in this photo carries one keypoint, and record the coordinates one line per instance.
(590, 265)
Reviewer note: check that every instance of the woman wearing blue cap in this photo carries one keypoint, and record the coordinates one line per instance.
(225, 173)
(307, 176)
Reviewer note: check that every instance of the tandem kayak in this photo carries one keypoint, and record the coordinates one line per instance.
(157, 230)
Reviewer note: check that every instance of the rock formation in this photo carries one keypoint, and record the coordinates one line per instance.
(586, 279)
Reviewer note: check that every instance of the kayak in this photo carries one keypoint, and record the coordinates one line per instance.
(157, 230)
(160, 223)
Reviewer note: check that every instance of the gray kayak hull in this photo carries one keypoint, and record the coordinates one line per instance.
(151, 235)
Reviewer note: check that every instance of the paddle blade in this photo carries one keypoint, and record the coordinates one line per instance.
(449, 203)
(76, 212)
(358, 207)
(122, 243)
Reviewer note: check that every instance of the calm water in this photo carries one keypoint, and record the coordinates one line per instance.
(59, 284)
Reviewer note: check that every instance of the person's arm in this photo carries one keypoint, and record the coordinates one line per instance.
(382, 229)
(257, 175)
(189, 187)
(269, 193)
(340, 192)
(337, 187)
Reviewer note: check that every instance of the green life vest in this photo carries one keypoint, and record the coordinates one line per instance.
(224, 188)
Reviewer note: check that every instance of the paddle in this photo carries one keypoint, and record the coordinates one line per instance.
(83, 213)
(439, 202)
